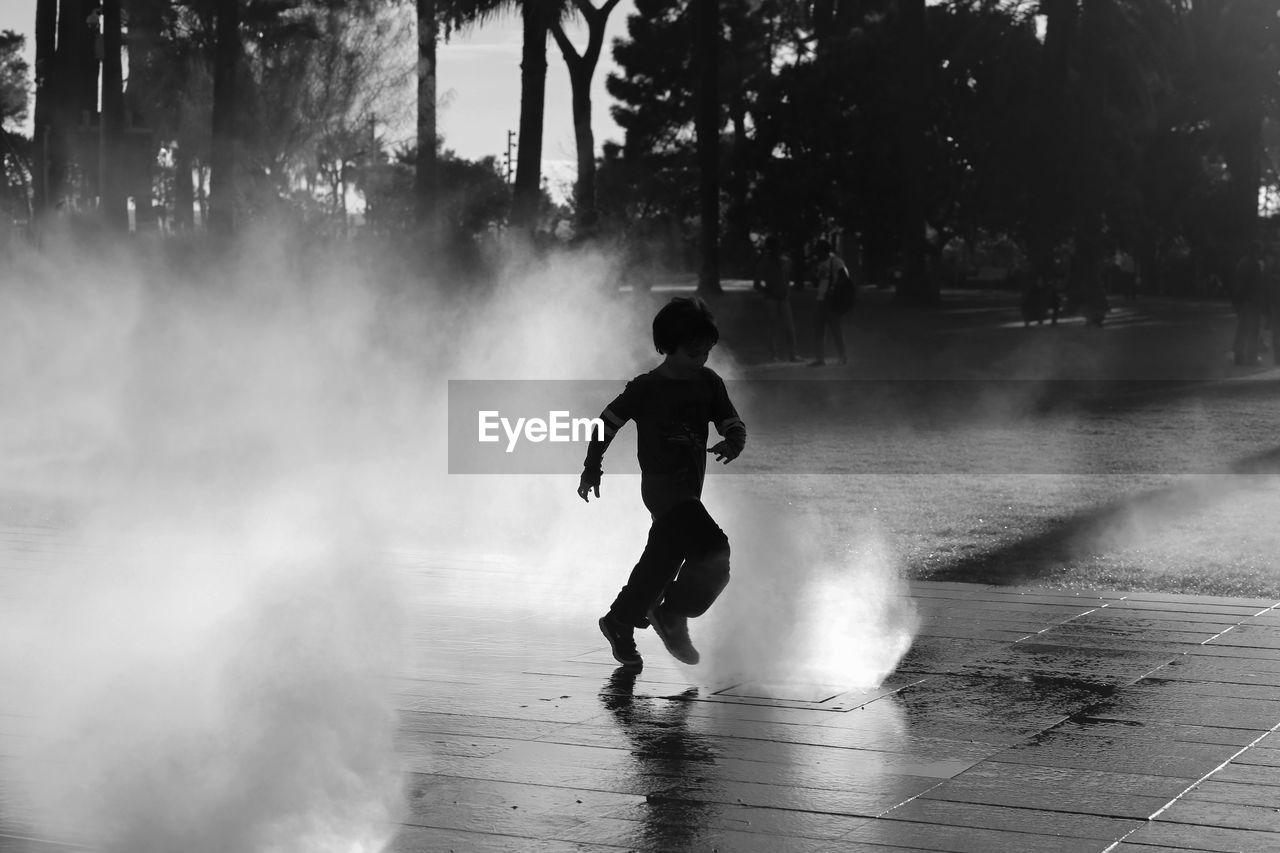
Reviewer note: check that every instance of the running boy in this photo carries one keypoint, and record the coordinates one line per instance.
(685, 564)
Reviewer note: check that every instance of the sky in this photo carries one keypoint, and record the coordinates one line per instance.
(479, 84)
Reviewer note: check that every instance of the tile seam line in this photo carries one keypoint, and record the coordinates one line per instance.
(1196, 784)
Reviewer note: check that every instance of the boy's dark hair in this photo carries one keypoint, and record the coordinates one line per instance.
(822, 247)
(683, 321)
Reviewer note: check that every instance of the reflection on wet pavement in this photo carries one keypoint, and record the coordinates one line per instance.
(1020, 720)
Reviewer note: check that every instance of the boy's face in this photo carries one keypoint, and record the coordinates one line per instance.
(692, 355)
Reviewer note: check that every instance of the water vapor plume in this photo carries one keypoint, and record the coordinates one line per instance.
(199, 644)
(806, 605)
(201, 629)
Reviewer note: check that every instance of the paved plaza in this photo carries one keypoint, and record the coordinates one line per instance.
(1021, 720)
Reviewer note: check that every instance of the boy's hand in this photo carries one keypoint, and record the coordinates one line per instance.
(588, 484)
(724, 451)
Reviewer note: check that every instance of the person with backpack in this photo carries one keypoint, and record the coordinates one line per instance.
(1247, 297)
(836, 296)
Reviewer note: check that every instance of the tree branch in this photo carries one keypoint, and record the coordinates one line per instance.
(571, 57)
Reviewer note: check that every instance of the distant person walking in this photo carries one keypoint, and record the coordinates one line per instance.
(1126, 275)
(834, 282)
(773, 279)
(1247, 297)
(1271, 299)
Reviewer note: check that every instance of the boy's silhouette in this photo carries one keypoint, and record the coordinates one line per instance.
(685, 564)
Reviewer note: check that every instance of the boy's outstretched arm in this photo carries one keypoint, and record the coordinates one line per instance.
(591, 466)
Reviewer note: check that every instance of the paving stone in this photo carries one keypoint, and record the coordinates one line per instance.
(1230, 815)
(1220, 650)
(1195, 604)
(1125, 847)
(1117, 795)
(1250, 774)
(1123, 732)
(719, 816)
(1261, 756)
(963, 839)
(1114, 634)
(961, 631)
(1219, 670)
(419, 839)
(1204, 601)
(1235, 793)
(693, 832)
(1086, 664)
(1201, 623)
(943, 813)
(1151, 757)
(939, 655)
(1219, 690)
(1250, 636)
(1169, 703)
(1216, 839)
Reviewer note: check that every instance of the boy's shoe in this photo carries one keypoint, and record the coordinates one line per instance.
(674, 633)
(622, 640)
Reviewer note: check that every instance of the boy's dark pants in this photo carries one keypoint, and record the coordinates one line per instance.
(685, 534)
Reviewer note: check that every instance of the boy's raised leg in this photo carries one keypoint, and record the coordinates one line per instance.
(673, 630)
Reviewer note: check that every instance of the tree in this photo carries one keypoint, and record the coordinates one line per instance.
(13, 111)
(582, 67)
(13, 80)
(913, 77)
(706, 51)
(42, 130)
(226, 127)
(425, 179)
(112, 195)
(533, 87)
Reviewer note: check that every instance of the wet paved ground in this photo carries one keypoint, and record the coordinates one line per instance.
(1021, 721)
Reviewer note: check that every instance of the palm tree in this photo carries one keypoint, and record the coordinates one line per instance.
(533, 87)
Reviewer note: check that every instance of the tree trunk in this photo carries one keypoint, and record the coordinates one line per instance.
(223, 156)
(1242, 152)
(113, 196)
(533, 86)
(66, 83)
(584, 191)
(425, 178)
(42, 131)
(707, 63)
(737, 227)
(915, 287)
(1087, 261)
(183, 192)
(1050, 199)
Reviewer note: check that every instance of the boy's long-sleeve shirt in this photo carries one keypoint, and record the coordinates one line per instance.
(671, 418)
